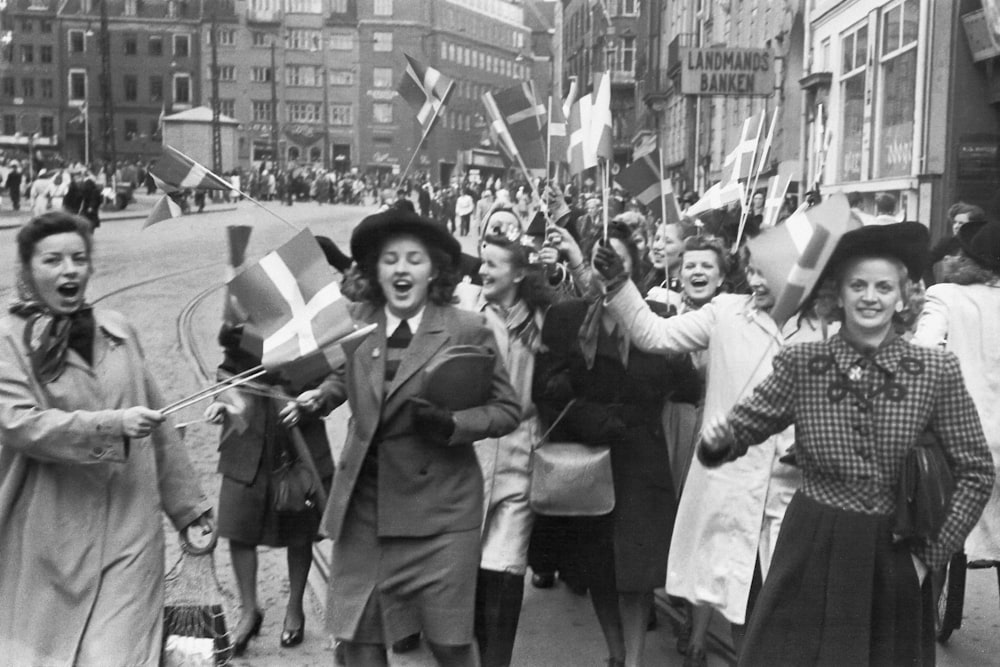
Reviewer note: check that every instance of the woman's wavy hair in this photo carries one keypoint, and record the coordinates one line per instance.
(442, 287)
(620, 231)
(712, 243)
(50, 224)
(534, 290)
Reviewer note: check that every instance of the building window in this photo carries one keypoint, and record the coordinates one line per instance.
(382, 112)
(303, 112)
(131, 129)
(226, 37)
(628, 7)
(45, 54)
(27, 87)
(303, 40)
(627, 63)
(26, 26)
(383, 8)
(382, 77)
(47, 89)
(156, 89)
(304, 7)
(182, 46)
(341, 77)
(261, 111)
(341, 42)
(340, 114)
(9, 124)
(182, 89)
(260, 74)
(130, 45)
(155, 45)
(78, 85)
(27, 53)
(338, 6)
(444, 50)
(45, 26)
(226, 73)
(854, 55)
(227, 107)
(131, 88)
(47, 126)
(302, 75)
(154, 129)
(383, 41)
(76, 41)
(131, 7)
(898, 83)
(260, 38)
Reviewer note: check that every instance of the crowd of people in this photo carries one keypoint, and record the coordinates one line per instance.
(755, 462)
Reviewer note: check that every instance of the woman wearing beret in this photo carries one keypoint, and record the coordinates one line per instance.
(405, 509)
(843, 589)
(87, 467)
(962, 315)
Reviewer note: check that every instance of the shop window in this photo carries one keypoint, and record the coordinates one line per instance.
(898, 89)
(854, 54)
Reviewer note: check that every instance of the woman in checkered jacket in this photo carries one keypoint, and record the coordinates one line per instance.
(842, 589)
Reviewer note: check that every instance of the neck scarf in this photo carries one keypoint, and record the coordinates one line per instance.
(49, 336)
(519, 322)
(591, 330)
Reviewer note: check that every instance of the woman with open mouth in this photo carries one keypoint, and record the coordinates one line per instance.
(406, 506)
(86, 468)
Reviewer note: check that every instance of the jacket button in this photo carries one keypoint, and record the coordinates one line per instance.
(863, 429)
(97, 451)
(867, 502)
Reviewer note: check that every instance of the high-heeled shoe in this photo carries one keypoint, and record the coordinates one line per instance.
(240, 643)
(290, 638)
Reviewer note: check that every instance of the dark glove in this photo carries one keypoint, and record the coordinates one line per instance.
(610, 265)
(432, 422)
(712, 457)
(559, 388)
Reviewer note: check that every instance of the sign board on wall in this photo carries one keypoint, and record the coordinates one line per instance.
(724, 71)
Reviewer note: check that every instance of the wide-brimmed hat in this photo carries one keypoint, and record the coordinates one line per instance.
(373, 231)
(335, 257)
(906, 241)
(980, 240)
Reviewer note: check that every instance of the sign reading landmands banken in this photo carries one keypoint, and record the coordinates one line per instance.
(723, 71)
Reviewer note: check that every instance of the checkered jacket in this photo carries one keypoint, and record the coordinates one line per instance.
(857, 415)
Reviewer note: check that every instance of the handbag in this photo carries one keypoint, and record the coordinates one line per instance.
(294, 486)
(570, 478)
(924, 491)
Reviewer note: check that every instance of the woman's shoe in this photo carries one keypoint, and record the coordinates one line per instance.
(240, 643)
(290, 638)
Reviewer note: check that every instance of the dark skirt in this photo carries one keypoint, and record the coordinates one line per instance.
(839, 592)
(383, 589)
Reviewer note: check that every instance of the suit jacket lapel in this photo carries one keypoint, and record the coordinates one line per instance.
(370, 355)
(429, 338)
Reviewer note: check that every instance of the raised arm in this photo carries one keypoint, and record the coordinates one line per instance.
(651, 333)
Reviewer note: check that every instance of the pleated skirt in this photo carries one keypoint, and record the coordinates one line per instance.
(839, 592)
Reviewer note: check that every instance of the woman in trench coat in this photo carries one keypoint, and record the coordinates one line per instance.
(87, 464)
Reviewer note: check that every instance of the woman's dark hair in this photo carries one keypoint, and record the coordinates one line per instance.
(712, 243)
(620, 231)
(49, 224)
(441, 290)
(534, 290)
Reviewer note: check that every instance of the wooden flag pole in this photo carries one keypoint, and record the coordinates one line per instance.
(745, 205)
(606, 187)
(663, 199)
(202, 395)
(426, 133)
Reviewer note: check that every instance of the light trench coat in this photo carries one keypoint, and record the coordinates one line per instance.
(81, 534)
(730, 515)
(506, 461)
(965, 320)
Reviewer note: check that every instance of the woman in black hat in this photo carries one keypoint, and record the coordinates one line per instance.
(962, 315)
(843, 589)
(406, 504)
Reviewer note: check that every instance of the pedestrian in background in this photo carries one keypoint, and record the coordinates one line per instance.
(843, 589)
(86, 468)
(13, 185)
(405, 510)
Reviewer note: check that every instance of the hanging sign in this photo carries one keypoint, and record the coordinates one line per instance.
(723, 71)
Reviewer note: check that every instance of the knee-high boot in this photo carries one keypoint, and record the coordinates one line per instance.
(498, 609)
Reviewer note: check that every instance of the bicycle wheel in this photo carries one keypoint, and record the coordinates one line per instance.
(951, 599)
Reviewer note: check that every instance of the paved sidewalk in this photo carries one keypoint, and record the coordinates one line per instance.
(137, 209)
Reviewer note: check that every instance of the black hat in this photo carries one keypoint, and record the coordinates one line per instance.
(905, 241)
(980, 240)
(335, 257)
(373, 231)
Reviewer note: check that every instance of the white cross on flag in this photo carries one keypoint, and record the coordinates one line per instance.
(777, 188)
(738, 164)
(296, 315)
(792, 256)
(425, 89)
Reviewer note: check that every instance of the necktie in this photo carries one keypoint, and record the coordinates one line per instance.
(395, 349)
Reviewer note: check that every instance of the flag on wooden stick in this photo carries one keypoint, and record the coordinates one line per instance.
(177, 171)
(582, 152)
(164, 209)
(739, 162)
(792, 255)
(642, 180)
(425, 89)
(718, 196)
(297, 318)
(524, 117)
(601, 123)
(777, 188)
(558, 135)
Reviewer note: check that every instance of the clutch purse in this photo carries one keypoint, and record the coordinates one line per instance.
(570, 478)
(924, 492)
(459, 378)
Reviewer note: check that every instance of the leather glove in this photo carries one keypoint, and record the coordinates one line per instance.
(433, 423)
(559, 388)
(610, 266)
(713, 456)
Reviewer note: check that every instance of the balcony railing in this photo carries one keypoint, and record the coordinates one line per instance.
(272, 15)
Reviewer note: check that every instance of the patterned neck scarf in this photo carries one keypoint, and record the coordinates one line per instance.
(591, 330)
(49, 336)
(519, 322)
